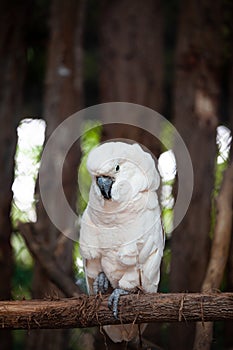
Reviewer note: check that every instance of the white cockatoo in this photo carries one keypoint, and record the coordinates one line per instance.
(121, 238)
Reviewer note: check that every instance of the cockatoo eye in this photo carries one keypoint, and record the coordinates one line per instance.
(117, 167)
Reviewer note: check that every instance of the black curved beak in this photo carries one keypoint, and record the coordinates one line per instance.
(105, 185)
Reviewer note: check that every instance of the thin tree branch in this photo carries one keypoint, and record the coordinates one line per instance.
(219, 253)
(93, 311)
(48, 262)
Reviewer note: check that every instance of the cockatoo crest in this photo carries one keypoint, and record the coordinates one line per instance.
(132, 172)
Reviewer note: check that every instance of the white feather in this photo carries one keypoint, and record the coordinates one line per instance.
(123, 237)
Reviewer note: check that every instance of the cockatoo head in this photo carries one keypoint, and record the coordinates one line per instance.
(121, 171)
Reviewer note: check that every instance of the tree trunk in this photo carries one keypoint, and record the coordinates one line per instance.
(12, 64)
(229, 325)
(219, 253)
(63, 97)
(196, 103)
(131, 65)
(131, 70)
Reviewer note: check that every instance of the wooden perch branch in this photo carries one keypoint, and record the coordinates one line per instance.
(93, 311)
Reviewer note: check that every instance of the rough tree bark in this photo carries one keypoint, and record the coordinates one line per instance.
(229, 277)
(63, 97)
(13, 18)
(196, 102)
(131, 61)
(219, 253)
(134, 308)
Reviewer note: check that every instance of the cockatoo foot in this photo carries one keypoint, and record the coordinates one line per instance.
(114, 299)
(101, 284)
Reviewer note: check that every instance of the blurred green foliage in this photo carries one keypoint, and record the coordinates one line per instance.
(167, 217)
(22, 276)
(78, 268)
(78, 339)
(19, 337)
(91, 136)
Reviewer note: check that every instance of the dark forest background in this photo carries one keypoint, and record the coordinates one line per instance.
(57, 57)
